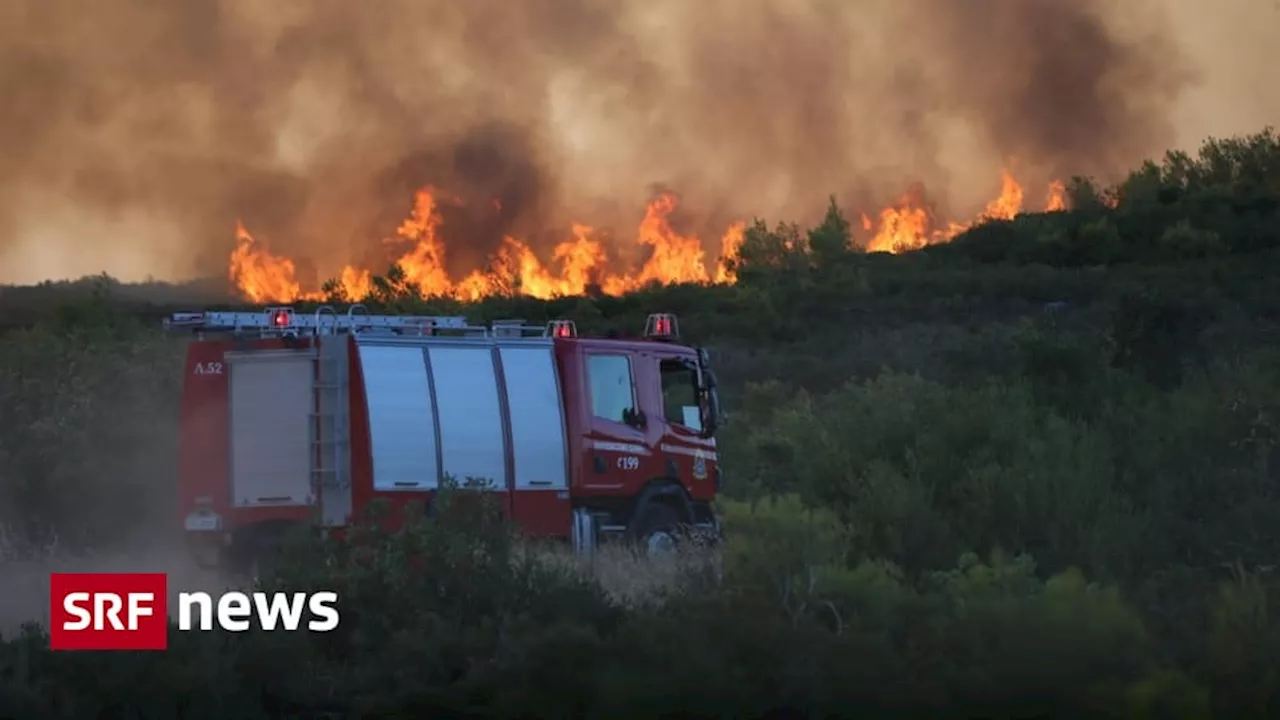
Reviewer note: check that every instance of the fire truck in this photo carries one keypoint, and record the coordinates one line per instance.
(291, 418)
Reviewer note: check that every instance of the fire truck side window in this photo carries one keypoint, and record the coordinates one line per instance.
(612, 388)
(680, 395)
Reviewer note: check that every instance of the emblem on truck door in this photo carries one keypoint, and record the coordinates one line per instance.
(699, 465)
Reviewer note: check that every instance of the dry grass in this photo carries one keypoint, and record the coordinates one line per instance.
(630, 579)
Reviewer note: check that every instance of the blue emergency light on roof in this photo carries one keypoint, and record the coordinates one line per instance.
(561, 329)
(662, 326)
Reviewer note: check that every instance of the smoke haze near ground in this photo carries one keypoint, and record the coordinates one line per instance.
(26, 597)
(136, 132)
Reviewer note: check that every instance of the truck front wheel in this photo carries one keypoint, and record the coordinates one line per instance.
(258, 557)
(657, 530)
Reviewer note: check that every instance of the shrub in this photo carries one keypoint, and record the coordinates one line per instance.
(87, 402)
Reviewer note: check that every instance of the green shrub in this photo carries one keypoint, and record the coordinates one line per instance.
(87, 433)
(917, 469)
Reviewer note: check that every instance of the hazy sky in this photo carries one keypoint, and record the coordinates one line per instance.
(136, 132)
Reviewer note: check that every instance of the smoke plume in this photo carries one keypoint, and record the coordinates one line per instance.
(136, 132)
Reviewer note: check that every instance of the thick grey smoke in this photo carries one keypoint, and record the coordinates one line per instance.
(134, 133)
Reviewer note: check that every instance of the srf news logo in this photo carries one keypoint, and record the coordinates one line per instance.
(129, 611)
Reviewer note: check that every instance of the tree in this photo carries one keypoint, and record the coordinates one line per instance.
(830, 239)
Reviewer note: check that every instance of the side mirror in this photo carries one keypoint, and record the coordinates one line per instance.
(704, 378)
(712, 415)
(708, 398)
(634, 417)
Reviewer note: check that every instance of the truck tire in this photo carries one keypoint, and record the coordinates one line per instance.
(658, 530)
(263, 563)
(260, 558)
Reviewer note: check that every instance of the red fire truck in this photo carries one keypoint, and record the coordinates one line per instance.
(290, 418)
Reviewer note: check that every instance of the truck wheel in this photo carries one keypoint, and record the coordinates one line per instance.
(261, 560)
(658, 530)
(261, 565)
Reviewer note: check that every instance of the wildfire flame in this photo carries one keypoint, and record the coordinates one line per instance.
(583, 261)
(910, 225)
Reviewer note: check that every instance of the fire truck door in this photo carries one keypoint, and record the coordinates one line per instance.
(472, 445)
(540, 490)
(618, 449)
(270, 410)
(686, 455)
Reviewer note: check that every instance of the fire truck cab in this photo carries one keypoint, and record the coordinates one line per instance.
(290, 418)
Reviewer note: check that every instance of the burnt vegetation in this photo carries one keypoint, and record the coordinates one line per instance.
(1032, 472)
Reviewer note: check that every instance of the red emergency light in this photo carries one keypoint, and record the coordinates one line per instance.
(281, 317)
(562, 329)
(662, 326)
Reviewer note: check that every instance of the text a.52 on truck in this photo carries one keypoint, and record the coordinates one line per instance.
(289, 418)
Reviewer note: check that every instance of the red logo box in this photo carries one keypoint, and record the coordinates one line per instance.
(108, 611)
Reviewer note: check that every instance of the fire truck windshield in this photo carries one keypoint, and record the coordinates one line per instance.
(680, 394)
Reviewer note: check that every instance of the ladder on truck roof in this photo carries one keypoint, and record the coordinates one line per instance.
(283, 322)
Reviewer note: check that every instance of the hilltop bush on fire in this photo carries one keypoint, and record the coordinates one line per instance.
(1029, 472)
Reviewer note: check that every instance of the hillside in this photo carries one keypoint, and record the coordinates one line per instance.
(1030, 471)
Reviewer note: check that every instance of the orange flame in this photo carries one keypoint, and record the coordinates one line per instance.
(909, 224)
(260, 275)
(1057, 197)
(583, 262)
